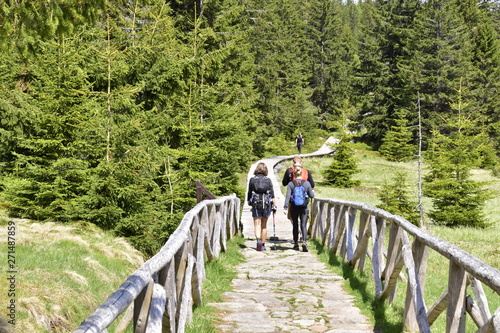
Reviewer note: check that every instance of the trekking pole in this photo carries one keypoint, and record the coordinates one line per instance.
(274, 238)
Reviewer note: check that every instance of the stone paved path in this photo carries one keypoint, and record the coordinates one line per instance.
(283, 290)
(288, 291)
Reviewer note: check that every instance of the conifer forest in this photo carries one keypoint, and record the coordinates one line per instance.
(110, 110)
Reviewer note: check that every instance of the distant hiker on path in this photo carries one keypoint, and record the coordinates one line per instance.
(297, 197)
(299, 142)
(261, 197)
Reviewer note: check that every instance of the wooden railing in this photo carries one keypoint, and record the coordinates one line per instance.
(346, 233)
(160, 294)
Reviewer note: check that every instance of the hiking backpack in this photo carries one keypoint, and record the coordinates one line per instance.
(299, 195)
(261, 199)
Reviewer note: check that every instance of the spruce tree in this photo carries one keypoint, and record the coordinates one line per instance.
(370, 84)
(396, 199)
(486, 62)
(396, 144)
(455, 150)
(281, 65)
(334, 53)
(438, 56)
(343, 166)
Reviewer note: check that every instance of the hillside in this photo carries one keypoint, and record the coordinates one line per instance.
(61, 272)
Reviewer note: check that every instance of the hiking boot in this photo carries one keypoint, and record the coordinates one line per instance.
(259, 245)
(304, 247)
(263, 247)
(296, 247)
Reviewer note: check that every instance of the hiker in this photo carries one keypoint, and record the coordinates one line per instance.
(261, 197)
(289, 176)
(297, 197)
(299, 142)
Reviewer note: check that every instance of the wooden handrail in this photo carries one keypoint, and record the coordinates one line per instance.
(172, 279)
(163, 290)
(336, 225)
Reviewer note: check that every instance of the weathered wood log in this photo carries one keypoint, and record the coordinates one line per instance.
(164, 264)
(419, 255)
(393, 273)
(314, 218)
(364, 229)
(395, 233)
(481, 299)
(141, 308)
(322, 229)
(474, 312)
(493, 324)
(156, 309)
(315, 229)
(221, 216)
(167, 279)
(457, 282)
(361, 248)
(127, 318)
(345, 234)
(328, 223)
(437, 308)
(209, 254)
(393, 247)
(181, 258)
(339, 228)
(350, 235)
(337, 210)
(415, 311)
(199, 274)
(185, 309)
(378, 243)
(116, 303)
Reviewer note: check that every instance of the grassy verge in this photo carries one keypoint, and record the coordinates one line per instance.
(220, 274)
(62, 273)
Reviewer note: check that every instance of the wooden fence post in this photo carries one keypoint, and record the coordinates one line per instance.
(141, 308)
(457, 282)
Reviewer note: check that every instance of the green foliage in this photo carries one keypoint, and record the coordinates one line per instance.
(455, 150)
(396, 144)
(25, 22)
(343, 167)
(458, 203)
(396, 199)
(120, 106)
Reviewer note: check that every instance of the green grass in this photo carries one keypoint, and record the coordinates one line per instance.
(220, 274)
(375, 172)
(63, 272)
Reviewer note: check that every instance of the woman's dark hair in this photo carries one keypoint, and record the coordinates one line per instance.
(261, 168)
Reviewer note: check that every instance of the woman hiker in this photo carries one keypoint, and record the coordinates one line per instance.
(261, 197)
(297, 197)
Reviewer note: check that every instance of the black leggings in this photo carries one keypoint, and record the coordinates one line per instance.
(297, 213)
